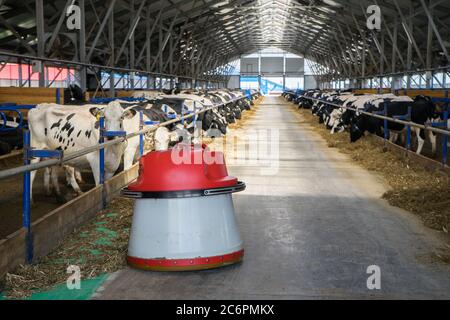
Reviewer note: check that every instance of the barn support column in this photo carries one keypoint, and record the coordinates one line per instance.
(397, 83)
(40, 31)
(429, 75)
(20, 73)
(133, 25)
(363, 63)
(382, 57)
(407, 27)
(394, 48)
(148, 57)
(159, 57)
(112, 57)
(82, 45)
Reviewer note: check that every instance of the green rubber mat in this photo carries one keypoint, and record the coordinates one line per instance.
(60, 292)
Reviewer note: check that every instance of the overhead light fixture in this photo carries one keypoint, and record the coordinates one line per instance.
(225, 10)
(218, 4)
(332, 3)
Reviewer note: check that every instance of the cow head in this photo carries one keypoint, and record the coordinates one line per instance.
(422, 97)
(355, 132)
(226, 112)
(434, 114)
(237, 113)
(207, 119)
(212, 121)
(114, 115)
(163, 138)
(335, 118)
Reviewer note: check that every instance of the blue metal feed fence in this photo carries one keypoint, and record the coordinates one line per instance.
(15, 109)
(18, 108)
(28, 154)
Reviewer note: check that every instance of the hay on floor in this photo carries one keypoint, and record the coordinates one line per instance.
(98, 247)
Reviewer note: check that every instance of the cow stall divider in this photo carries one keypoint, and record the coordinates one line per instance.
(248, 93)
(7, 108)
(14, 109)
(406, 117)
(103, 134)
(141, 126)
(58, 158)
(404, 120)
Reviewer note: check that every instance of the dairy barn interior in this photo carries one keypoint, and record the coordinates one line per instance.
(224, 150)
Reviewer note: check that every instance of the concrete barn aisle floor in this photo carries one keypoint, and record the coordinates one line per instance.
(309, 232)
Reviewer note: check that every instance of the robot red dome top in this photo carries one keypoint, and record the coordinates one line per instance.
(185, 167)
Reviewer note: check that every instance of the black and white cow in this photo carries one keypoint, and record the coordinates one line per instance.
(305, 103)
(73, 178)
(224, 107)
(322, 109)
(215, 118)
(73, 128)
(341, 118)
(73, 95)
(422, 111)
